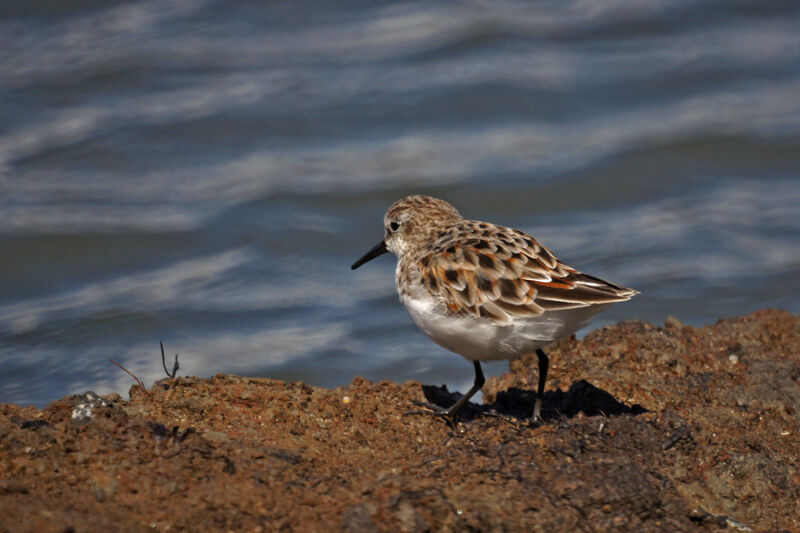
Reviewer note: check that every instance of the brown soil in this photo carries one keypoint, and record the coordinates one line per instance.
(647, 428)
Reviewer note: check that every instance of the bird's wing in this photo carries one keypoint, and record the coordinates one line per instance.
(501, 273)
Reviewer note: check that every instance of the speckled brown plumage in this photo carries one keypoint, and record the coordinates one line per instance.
(485, 291)
(485, 270)
(497, 272)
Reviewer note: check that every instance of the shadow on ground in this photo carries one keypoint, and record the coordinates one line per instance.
(581, 397)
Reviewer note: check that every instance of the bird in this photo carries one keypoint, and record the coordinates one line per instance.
(485, 291)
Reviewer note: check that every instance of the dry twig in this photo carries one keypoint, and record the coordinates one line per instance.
(138, 381)
(175, 367)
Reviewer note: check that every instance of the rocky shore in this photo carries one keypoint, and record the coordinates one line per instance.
(648, 428)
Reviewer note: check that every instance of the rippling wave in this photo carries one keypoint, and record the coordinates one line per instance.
(204, 173)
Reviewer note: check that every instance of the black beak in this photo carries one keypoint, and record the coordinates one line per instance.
(379, 249)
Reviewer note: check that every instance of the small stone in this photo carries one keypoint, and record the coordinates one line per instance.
(410, 519)
(216, 436)
(733, 358)
(82, 409)
(667, 359)
(359, 518)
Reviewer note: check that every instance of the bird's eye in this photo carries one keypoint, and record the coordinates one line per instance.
(393, 226)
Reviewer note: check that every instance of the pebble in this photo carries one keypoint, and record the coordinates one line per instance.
(84, 405)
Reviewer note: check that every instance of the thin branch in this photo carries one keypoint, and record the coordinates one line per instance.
(139, 381)
(175, 367)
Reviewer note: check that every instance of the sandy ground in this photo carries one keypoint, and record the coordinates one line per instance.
(646, 428)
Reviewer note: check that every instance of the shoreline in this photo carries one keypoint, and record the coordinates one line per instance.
(648, 427)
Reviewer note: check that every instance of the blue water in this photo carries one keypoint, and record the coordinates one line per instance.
(204, 172)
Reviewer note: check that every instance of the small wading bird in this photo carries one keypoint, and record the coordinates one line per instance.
(483, 291)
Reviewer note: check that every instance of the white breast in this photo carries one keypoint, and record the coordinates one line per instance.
(478, 339)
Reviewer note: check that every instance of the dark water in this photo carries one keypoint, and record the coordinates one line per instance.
(204, 172)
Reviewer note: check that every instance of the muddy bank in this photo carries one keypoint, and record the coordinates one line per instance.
(649, 428)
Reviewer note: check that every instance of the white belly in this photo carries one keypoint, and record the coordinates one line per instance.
(478, 339)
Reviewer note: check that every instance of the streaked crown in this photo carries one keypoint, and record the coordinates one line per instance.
(413, 222)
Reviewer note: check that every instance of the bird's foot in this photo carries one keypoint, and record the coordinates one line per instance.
(505, 418)
(434, 410)
(535, 422)
(536, 418)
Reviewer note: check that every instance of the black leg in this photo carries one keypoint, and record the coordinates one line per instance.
(456, 407)
(544, 362)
